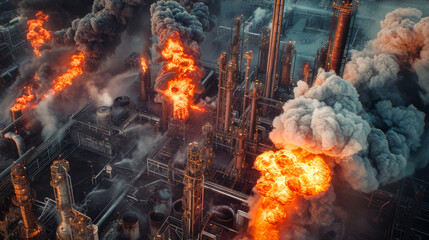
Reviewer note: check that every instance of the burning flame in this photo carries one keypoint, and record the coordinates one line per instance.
(36, 33)
(60, 83)
(23, 101)
(284, 176)
(74, 71)
(180, 89)
(143, 64)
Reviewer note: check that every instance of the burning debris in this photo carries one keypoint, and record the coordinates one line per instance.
(37, 34)
(179, 33)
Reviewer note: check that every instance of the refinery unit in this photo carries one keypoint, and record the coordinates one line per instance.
(139, 168)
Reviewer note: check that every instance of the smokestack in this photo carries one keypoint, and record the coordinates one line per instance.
(320, 61)
(222, 61)
(264, 46)
(274, 47)
(145, 85)
(236, 41)
(254, 96)
(63, 195)
(156, 219)
(23, 199)
(287, 55)
(337, 48)
(207, 147)
(178, 209)
(239, 152)
(193, 193)
(249, 56)
(15, 114)
(164, 115)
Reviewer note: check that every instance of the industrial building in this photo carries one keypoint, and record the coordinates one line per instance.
(131, 170)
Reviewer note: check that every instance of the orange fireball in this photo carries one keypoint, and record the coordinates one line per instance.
(285, 175)
(36, 33)
(180, 89)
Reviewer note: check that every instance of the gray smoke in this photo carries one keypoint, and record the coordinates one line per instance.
(97, 34)
(365, 122)
(171, 20)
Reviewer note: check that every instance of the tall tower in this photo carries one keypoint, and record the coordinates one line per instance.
(207, 147)
(222, 62)
(236, 41)
(30, 228)
(193, 193)
(274, 47)
(264, 44)
(337, 47)
(63, 195)
(287, 56)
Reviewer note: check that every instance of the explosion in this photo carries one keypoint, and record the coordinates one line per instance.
(285, 175)
(143, 64)
(36, 33)
(180, 89)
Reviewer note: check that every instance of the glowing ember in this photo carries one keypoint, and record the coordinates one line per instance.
(284, 176)
(36, 33)
(74, 71)
(180, 89)
(143, 64)
(25, 99)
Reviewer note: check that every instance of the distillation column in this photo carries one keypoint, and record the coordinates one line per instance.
(193, 193)
(228, 98)
(337, 48)
(207, 147)
(222, 61)
(274, 47)
(254, 96)
(287, 55)
(30, 228)
(64, 197)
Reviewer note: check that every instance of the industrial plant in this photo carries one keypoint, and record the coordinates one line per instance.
(214, 120)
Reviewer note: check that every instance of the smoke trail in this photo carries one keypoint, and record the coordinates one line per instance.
(98, 33)
(179, 33)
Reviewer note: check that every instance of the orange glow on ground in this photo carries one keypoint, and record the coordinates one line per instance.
(36, 33)
(284, 176)
(180, 89)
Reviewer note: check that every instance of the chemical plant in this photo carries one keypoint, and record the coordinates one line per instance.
(182, 151)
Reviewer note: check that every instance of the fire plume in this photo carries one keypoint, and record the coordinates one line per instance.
(22, 102)
(285, 175)
(36, 33)
(74, 71)
(143, 64)
(180, 89)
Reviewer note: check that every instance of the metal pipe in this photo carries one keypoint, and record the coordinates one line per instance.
(277, 47)
(20, 145)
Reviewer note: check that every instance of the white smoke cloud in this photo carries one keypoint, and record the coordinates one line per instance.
(46, 117)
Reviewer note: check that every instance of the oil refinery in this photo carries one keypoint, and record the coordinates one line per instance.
(214, 119)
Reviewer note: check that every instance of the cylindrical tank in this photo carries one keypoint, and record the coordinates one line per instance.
(264, 44)
(130, 225)
(122, 101)
(156, 219)
(224, 215)
(178, 209)
(287, 55)
(23, 200)
(104, 115)
(163, 201)
(60, 183)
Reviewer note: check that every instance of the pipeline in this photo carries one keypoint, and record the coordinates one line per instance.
(20, 145)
